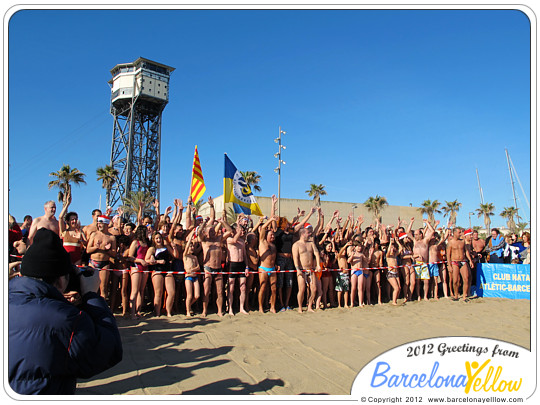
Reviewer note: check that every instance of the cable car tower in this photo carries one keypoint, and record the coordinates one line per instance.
(139, 94)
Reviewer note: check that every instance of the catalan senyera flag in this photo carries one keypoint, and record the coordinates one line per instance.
(197, 182)
(238, 192)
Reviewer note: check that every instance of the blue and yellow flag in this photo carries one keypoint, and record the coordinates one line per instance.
(238, 192)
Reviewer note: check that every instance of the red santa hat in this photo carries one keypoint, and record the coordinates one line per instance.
(307, 226)
(467, 232)
(402, 235)
(104, 219)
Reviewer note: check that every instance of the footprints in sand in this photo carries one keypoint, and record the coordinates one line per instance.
(252, 361)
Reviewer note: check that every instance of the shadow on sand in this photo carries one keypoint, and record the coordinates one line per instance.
(159, 343)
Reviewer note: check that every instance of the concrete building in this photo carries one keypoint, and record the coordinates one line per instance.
(289, 208)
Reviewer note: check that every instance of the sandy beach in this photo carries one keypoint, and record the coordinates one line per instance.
(289, 353)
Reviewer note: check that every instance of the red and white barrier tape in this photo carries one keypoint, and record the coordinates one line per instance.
(132, 270)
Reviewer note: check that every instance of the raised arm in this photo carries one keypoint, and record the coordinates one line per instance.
(320, 221)
(430, 230)
(304, 221)
(212, 210)
(65, 206)
(178, 210)
(189, 213)
(409, 228)
(155, 204)
(189, 242)
(299, 215)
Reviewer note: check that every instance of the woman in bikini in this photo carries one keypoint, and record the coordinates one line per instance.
(73, 238)
(375, 264)
(358, 261)
(139, 273)
(160, 256)
(407, 269)
(394, 250)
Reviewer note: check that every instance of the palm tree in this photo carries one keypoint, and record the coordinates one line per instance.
(509, 213)
(64, 177)
(231, 215)
(430, 208)
(108, 175)
(134, 200)
(252, 179)
(376, 205)
(452, 208)
(316, 191)
(521, 226)
(198, 205)
(487, 211)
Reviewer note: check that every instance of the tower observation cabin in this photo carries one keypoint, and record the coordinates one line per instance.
(139, 94)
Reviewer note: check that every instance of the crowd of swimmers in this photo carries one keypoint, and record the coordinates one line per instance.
(212, 264)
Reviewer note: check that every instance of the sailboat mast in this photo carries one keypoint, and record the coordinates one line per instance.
(479, 187)
(511, 179)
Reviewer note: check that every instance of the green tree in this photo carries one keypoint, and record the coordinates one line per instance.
(509, 213)
(198, 205)
(64, 178)
(376, 205)
(521, 226)
(316, 191)
(252, 179)
(134, 200)
(108, 176)
(430, 208)
(451, 208)
(487, 211)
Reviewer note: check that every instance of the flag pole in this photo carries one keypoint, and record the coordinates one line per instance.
(191, 181)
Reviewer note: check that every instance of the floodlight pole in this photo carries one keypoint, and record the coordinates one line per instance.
(278, 169)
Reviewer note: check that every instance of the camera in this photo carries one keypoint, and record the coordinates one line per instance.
(75, 274)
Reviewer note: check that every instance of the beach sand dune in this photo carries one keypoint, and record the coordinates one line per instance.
(290, 353)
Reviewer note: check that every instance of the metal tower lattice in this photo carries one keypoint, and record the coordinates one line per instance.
(139, 94)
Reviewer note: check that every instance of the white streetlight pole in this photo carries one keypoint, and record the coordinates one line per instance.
(278, 169)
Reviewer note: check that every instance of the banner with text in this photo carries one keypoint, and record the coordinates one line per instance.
(504, 280)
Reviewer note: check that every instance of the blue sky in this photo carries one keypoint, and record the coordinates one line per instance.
(406, 104)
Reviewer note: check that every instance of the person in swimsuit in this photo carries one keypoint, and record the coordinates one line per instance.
(267, 273)
(375, 265)
(459, 259)
(435, 270)
(73, 238)
(343, 277)
(284, 263)
(191, 268)
(211, 240)
(120, 262)
(359, 262)
(307, 262)
(139, 273)
(101, 247)
(236, 249)
(407, 269)
(392, 275)
(160, 256)
(46, 221)
(328, 264)
(252, 260)
(421, 257)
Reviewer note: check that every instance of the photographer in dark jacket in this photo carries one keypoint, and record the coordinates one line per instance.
(52, 342)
